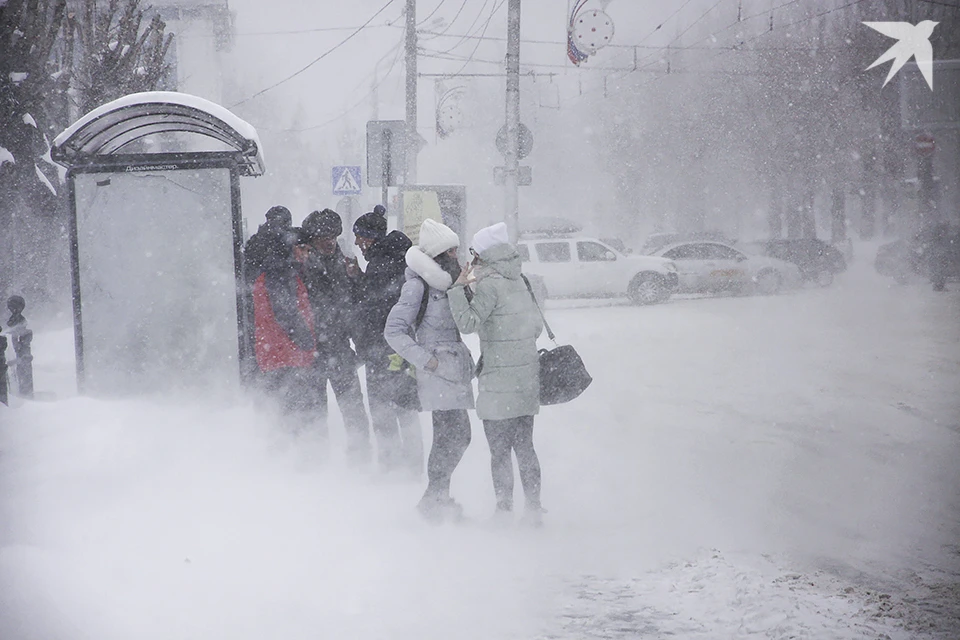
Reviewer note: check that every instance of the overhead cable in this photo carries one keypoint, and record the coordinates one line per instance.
(320, 57)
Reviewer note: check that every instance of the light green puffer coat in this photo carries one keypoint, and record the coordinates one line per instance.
(508, 323)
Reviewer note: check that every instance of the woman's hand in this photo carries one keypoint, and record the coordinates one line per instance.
(432, 364)
(353, 267)
(467, 276)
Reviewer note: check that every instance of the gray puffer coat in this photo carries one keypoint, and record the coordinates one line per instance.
(508, 323)
(449, 386)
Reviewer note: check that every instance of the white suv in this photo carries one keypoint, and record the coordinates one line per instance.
(588, 267)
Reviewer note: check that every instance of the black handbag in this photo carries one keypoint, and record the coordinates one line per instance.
(563, 376)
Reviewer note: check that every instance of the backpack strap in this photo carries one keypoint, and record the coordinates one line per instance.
(423, 304)
(423, 308)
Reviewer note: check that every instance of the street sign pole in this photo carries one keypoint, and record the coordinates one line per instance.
(512, 159)
(925, 145)
(385, 176)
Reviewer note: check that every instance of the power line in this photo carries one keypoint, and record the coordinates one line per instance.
(692, 25)
(289, 32)
(463, 6)
(785, 26)
(473, 24)
(659, 26)
(738, 47)
(941, 4)
(320, 57)
(763, 13)
(359, 102)
(808, 19)
(496, 8)
(442, 55)
(432, 13)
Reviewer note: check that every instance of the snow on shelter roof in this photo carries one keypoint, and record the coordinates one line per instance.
(109, 128)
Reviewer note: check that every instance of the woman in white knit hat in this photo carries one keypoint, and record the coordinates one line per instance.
(420, 328)
(503, 313)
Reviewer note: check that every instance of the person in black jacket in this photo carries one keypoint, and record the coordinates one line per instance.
(391, 391)
(333, 294)
(261, 245)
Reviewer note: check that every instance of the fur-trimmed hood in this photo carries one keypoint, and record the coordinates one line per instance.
(419, 264)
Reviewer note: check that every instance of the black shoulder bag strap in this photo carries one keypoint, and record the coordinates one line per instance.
(423, 304)
(546, 325)
(424, 301)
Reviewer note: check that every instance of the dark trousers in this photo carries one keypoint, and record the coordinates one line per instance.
(451, 437)
(294, 389)
(346, 386)
(399, 441)
(504, 437)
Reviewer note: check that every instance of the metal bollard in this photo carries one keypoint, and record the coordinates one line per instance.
(23, 366)
(21, 337)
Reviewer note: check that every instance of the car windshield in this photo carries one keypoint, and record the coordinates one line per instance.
(752, 248)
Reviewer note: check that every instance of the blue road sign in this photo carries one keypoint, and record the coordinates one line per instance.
(346, 181)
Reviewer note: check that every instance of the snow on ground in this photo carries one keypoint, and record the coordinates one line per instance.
(779, 467)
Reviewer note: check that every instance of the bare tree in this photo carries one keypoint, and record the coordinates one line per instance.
(29, 32)
(56, 64)
(118, 55)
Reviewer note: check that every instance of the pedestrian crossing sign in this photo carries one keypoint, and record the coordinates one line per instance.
(346, 181)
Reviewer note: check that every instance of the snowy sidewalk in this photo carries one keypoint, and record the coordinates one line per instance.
(778, 467)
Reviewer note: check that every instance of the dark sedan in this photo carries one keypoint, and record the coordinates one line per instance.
(935, 246)
(818, 261)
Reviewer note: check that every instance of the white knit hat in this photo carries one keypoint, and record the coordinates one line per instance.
(435, 238)
(490, 237)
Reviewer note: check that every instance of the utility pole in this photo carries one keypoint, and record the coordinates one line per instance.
(413, 138)
(512, 156)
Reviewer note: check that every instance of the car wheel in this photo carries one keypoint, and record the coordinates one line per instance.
(824, 278)
(768, 282)
(648, 288)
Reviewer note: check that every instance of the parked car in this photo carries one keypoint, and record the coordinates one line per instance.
(818, 261)
(710, 267)
(657, 241)
(588, 267)
(910, 257)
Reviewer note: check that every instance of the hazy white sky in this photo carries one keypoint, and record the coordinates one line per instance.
(344, 78)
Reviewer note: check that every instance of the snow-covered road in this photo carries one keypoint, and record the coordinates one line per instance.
(782, 467)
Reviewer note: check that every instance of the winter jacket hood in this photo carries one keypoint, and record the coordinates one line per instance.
(423, 266)
(392, 245)
(503, 259)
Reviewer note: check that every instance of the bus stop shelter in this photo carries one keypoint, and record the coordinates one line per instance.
(156, 242)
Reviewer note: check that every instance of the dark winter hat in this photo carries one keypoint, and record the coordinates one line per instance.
(323, 224)
(299, 236)
(372, 225)
(280, 215)
(16, 304)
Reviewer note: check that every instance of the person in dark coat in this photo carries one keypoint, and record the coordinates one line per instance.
(333, 294)
(391, 391)
(261, 244)
(284, 336)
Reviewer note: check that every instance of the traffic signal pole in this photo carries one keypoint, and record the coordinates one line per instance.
(413, 139)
